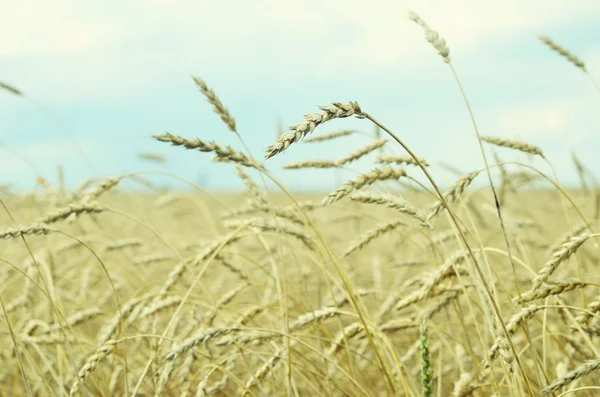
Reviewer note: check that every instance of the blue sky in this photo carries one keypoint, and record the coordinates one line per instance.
(114, 73)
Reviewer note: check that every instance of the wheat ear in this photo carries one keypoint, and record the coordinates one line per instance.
(543, 292)
(214, 100)
(10, 89)
(372, 234)
(226, 153)
(311, 121)
(513, 325)
(580, 371)
(154, 157)
(399, 160)
(584, 317)
(368, 148)
(35, 229)
(378, 174)
(559, 256)
(563, 51)
(427, 390)
(329, 136)
(432, 36)
(453, 192)
(394, 202)
(514, 144)
(313, 163)
(91, 363)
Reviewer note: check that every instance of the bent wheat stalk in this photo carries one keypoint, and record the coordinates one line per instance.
(311, 121)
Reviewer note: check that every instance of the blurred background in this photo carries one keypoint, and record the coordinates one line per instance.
(99, 78)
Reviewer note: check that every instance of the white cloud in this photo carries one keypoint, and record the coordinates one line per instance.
(537, 120)
(71, 50)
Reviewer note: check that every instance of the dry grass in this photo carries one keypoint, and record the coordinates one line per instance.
(109, 292)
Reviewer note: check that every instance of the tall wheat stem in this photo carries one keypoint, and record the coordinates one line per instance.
(498, 210)
(463, 238)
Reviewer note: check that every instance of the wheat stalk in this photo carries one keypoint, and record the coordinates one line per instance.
(584, 317)
(75, 319)
(10, 88)
(313, 163)
(513, 325)
(114, 380)
(264, 370)
(175, 274)
(300, 322)
(462, 387)
(312, 121)
(432, 36)
(372, 234)
(214, 100)
(318, 163)
(154, 157)
(378, 174)
(91, 364)
(252, 186)
(223, 300)
(102, 187)
(399, 160)
(270, 225)
(560, 255)
(329, 136)
(158, 305)
(201, 336)
(453, 193)
(580, 371)
(109, 330)
(349, 332)
(563, 51)
(427, 390)
(233, 269)
(368, 148)
(291, 213)
(394, 202)
(543, 292)
(514, 144)
(226, 153)
(123, 243)
(35, 229)
(446, 270)
(151, 258)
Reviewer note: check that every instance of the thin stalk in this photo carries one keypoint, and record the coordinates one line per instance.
(464, 239)
(498, 210)
(594, 82)
(17, 353)
(345, 280)
(489, 174)
(55, 309)
(347, 283)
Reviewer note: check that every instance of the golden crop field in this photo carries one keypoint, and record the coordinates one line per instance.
(394, 283)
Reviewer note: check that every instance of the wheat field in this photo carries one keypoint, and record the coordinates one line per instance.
(392, 284)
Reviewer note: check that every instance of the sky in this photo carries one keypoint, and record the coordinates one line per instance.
(100, 78)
